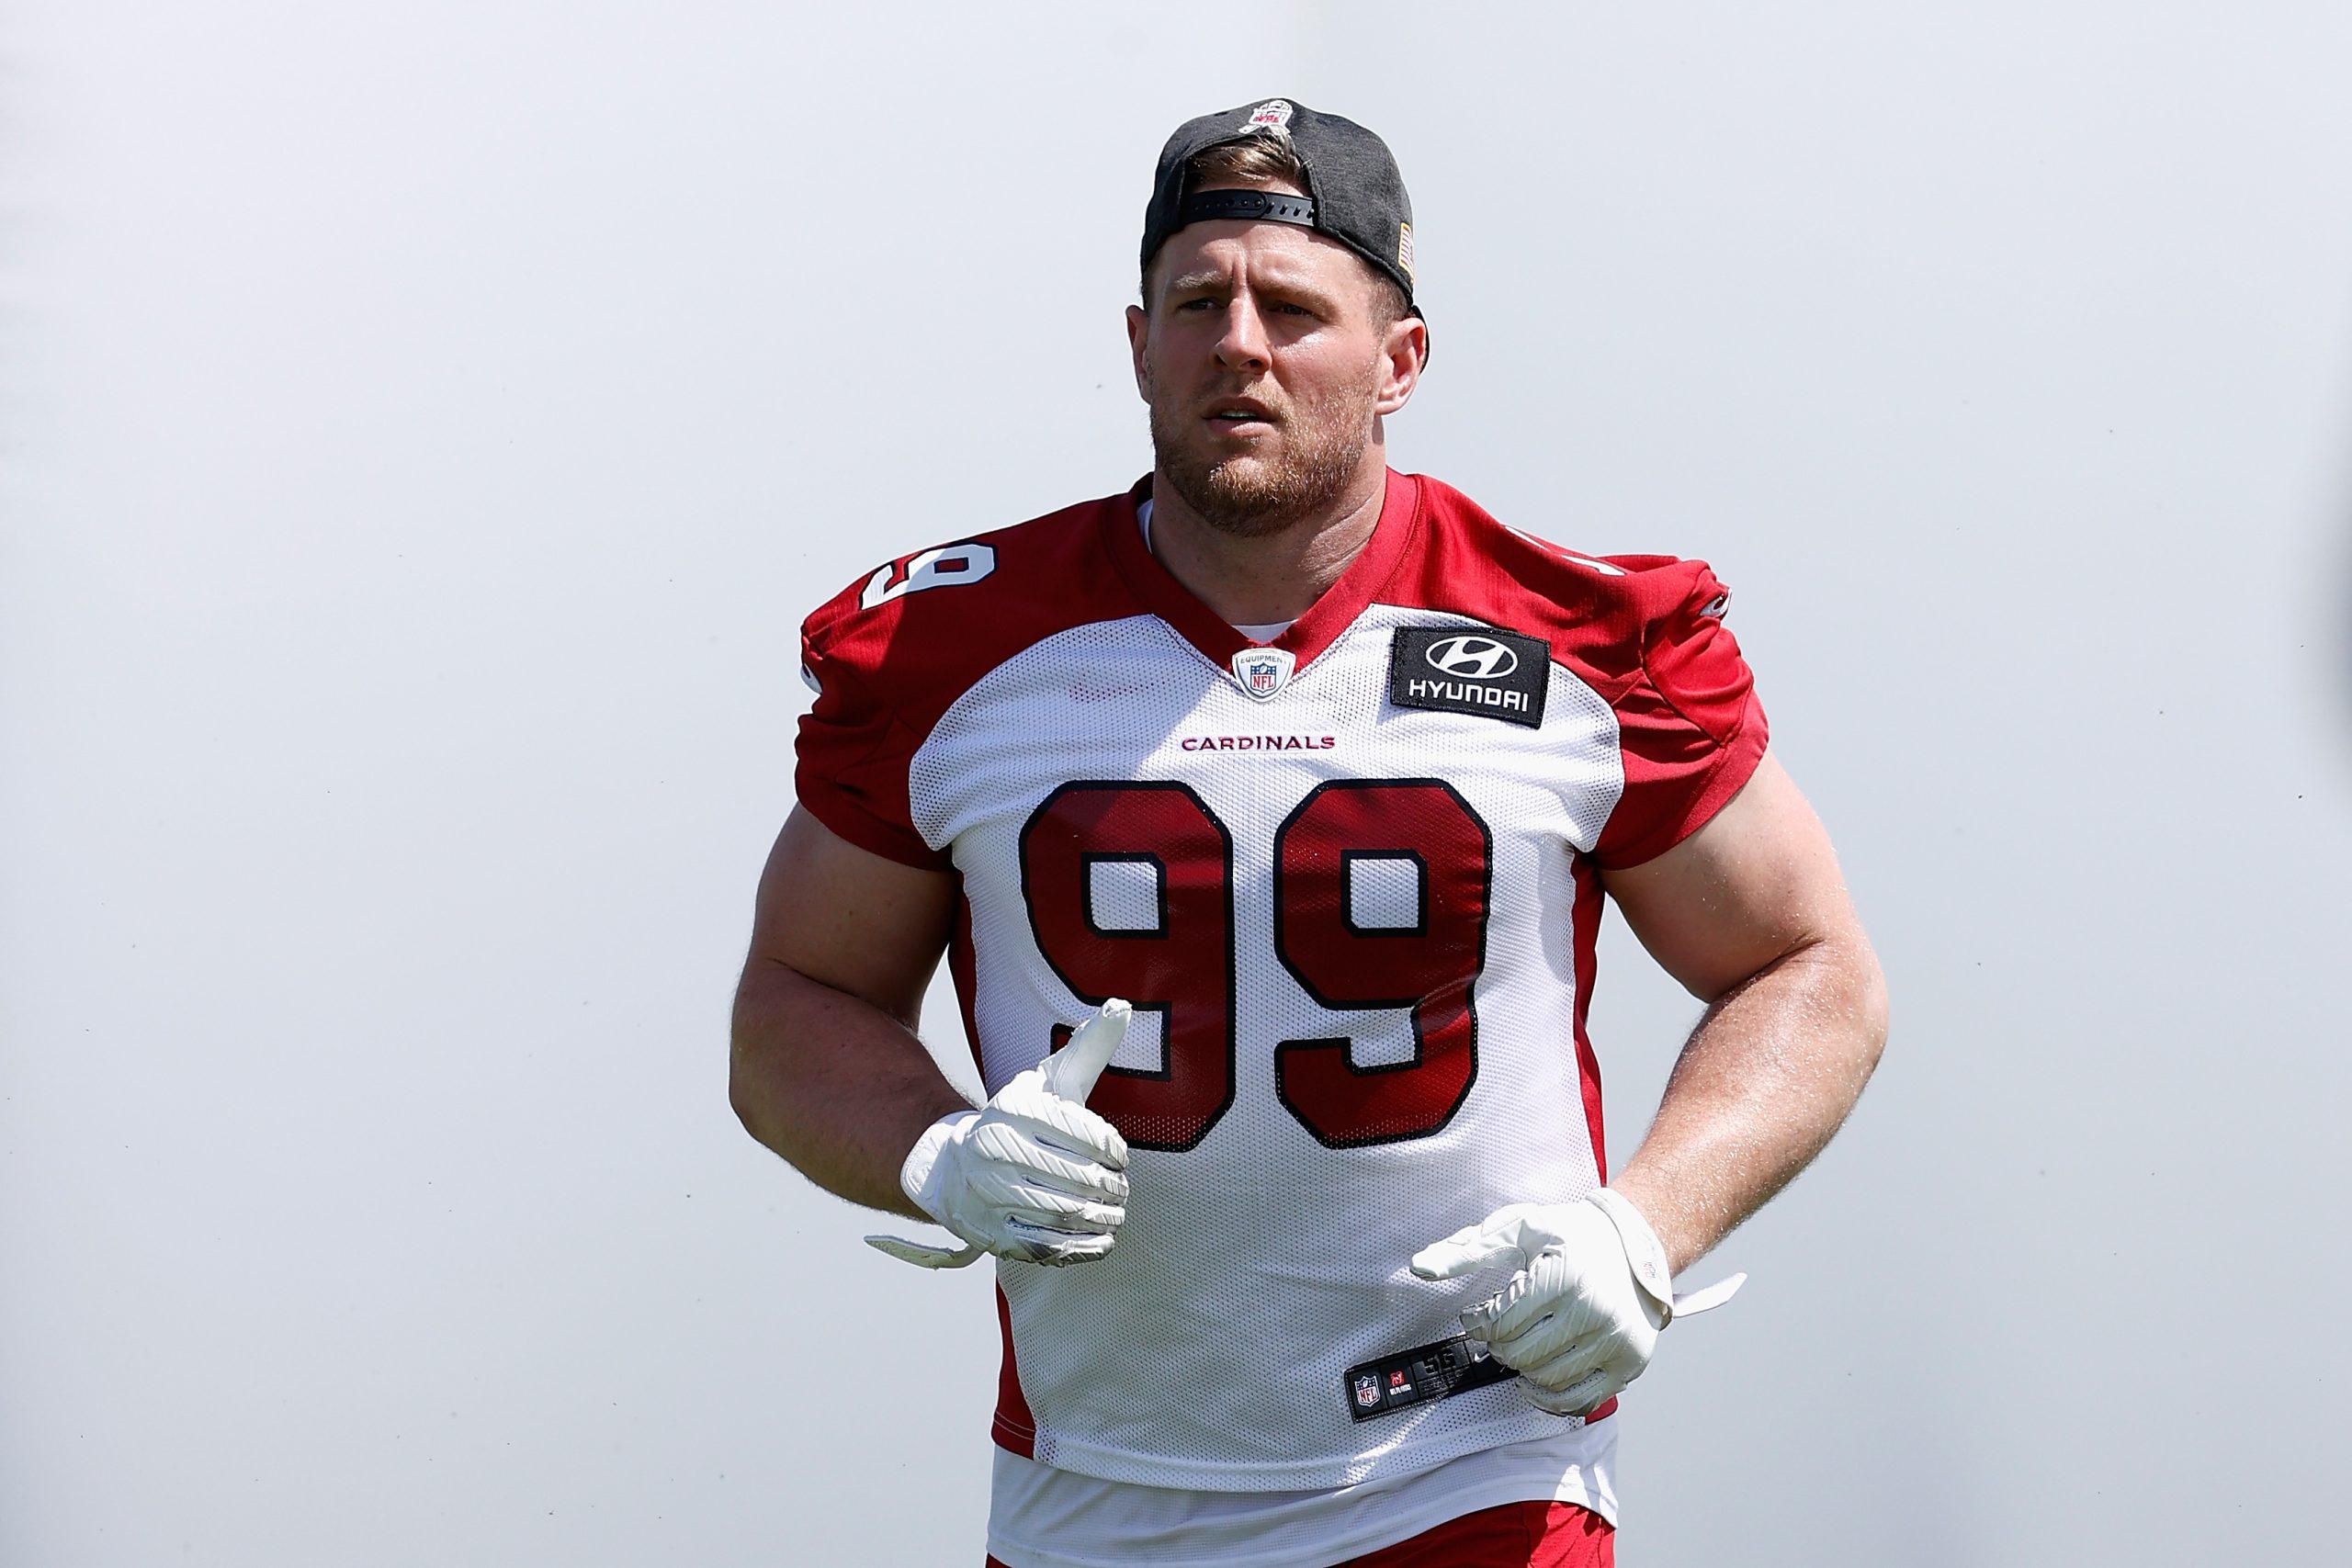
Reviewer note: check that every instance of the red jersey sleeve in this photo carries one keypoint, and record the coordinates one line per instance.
(893, 651)
(854, 749)
(1690, 729)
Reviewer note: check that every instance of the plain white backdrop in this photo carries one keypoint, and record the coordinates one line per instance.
(421, 428)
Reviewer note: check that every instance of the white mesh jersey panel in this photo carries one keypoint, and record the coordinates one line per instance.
(1208, 1351)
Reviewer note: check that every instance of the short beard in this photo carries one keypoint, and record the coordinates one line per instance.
(1323, 447)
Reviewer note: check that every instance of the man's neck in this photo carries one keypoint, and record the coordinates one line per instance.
(1277, 577)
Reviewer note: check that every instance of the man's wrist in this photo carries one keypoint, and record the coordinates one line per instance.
(1645, 1253)
(1671, 1222)
(918, 1171)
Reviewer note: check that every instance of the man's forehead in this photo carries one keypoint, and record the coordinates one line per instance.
(1217, 248)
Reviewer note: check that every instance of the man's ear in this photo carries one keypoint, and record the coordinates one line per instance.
(1138, 336)
(1403, 350)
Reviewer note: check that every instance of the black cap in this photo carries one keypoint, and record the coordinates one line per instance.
(1354, 192)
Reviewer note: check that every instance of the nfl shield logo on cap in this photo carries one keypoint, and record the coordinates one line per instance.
(1263, 671)
(1272, 115)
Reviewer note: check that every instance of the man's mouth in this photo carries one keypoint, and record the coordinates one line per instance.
(1239, 414)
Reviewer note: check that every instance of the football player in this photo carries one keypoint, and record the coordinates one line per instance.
(1264, 812)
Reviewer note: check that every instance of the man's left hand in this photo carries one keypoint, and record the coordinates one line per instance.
(1581, 1318)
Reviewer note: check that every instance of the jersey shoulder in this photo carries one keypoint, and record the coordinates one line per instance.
(1645, 633)
(891, 654)
(1622, 623)
(917, 631)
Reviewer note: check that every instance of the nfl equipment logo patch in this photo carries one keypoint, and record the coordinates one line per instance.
(1263, 671)
(1367, 1390)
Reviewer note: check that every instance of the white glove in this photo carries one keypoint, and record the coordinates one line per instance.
(1581, 1318)
(1033, 1176)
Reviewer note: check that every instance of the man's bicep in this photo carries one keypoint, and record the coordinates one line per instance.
(1758, 883)
(849, 918)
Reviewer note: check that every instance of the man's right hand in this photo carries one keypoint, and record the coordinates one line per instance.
(1034, 1175)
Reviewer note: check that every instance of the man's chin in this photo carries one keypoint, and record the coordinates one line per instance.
(1247, 514)
(1243, 479)
(1262, 488)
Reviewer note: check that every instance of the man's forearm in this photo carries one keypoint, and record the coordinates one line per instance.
(833, 1084)
(1767, 1078)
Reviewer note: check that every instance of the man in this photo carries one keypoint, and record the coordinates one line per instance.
(1264, 813)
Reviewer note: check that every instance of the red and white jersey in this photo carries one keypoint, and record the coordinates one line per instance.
(1350, 881)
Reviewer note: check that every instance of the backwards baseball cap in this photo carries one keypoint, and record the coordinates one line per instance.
(1354, 192)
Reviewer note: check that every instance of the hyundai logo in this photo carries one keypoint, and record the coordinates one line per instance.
(1472, 658)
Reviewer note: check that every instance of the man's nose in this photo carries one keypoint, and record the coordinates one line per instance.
(1243, 344)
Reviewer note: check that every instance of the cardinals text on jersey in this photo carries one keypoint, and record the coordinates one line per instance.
(1353, 891)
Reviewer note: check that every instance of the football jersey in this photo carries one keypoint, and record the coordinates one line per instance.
(1350, 881)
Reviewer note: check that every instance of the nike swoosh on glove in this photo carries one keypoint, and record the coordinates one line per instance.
(1580, 1319)
(1033, 1175)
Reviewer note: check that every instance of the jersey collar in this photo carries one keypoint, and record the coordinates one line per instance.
(1309, 636)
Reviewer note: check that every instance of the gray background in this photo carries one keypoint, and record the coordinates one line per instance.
(424, 426)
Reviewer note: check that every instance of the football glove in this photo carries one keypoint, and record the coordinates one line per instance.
(1034, 1175)
(1581, 1317)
